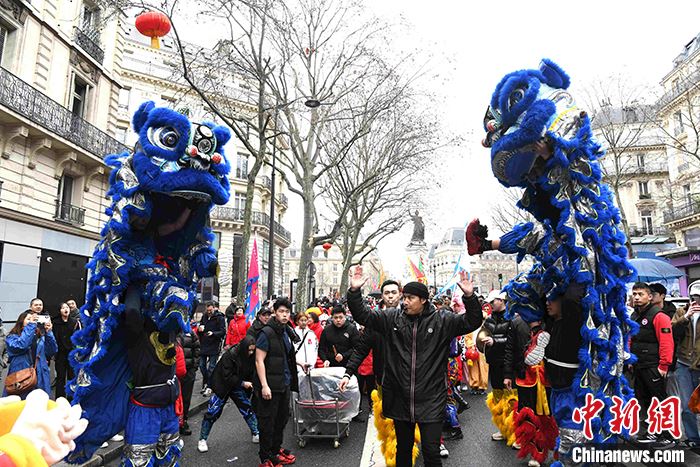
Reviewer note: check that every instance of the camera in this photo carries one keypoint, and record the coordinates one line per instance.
(43, 319)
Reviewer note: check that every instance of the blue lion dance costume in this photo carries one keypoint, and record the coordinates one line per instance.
(542, 142)
(154, 249)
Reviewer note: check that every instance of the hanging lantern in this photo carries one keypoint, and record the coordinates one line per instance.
(326, 246)
(153, 24)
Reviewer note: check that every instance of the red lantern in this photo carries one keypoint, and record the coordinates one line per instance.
(153, 24)
(472, 354)
(327, 246)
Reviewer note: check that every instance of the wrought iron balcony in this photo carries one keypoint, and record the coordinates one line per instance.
(87, 41)
(680, 212)
(69, 213)
(22, 98)
(283, 199)
(266, 182)
(640, 231)
(257, 218)
(688, 83)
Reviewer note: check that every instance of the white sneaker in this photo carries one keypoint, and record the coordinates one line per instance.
(207, 392)
(443, 451)
(497, 436)
(533, 463)
(117, 438)
(202, 445)
(256, 439)
(516, 446)
(104, 445)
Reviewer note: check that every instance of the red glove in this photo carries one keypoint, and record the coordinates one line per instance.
(476, 237)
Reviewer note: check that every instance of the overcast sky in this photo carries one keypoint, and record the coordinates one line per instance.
(473, 44)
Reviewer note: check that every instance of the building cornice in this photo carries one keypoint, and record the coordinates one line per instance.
(46, 223)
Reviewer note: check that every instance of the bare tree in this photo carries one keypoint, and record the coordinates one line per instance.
(505, 213)
(393, 154)
(625, 127)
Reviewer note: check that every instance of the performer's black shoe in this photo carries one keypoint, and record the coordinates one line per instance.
(185, 430)
(455, 433)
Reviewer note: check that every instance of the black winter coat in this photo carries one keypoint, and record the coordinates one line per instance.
(255, 328)
(62, 331)
(231, 370)
(514, 359)
(344, 339)
(369, 340)
(190, 347)
(498, 326)
(216, 323)
(415, 355)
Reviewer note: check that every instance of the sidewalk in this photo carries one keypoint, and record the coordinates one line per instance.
(114, 450)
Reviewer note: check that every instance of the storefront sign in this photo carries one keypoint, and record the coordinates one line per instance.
(694, 257)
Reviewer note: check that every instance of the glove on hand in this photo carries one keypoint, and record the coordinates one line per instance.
(476, 237)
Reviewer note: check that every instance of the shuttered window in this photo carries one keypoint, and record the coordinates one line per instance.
(3, 38)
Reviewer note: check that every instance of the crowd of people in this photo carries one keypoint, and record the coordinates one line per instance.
(424, 352)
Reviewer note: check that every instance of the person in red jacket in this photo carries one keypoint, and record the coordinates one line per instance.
(653, 346)
(180, 372)
(237, 328)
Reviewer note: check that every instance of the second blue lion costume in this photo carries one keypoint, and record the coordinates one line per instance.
(154, 248)
(542, 142)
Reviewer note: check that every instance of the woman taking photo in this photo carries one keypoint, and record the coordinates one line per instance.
(29, 343)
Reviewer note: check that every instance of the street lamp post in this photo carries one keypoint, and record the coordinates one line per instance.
(434, 268)
(271, 247)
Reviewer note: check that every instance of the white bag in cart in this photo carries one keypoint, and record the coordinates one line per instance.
(321, 385)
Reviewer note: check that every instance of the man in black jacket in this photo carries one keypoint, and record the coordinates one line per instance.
(416, 346)
(339, 340)
(212, 331)
(495, 347)
(275, 378)
(232, 378)
(190, 348)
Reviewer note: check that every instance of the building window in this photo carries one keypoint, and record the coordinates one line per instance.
(4, 32)
(216, 243)
(242, 166)
(686, 194)
(239, 200)
(266, 254)
(124, 97)
(644, 190)
(91, 19)
(65, 190)
(120, 134)
(640, 161)
(678, 123)
(237, 253)
(79, 97)
(647, 225)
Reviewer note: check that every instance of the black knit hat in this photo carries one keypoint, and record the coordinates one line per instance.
(417, 289)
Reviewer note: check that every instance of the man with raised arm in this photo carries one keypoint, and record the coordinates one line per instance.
(416, 345)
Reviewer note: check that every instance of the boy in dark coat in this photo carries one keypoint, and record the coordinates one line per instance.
(232, 378)
(339, 340)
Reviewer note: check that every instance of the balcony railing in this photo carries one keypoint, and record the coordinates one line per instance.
(257, 217)
(688, 83)
(637, 231)
(69, 213)
(283, 199)
(86, 41)
(266, 182)
(680, 212)
(21, 97)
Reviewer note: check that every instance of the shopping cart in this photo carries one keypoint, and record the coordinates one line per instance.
(320, 410)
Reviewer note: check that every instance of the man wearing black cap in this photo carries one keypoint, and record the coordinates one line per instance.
(416, 346)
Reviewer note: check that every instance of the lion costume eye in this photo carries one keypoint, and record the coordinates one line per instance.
(515, 97)
(165, 137)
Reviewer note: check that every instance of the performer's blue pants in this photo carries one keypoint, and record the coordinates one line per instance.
(241, 398)
(151, 437)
